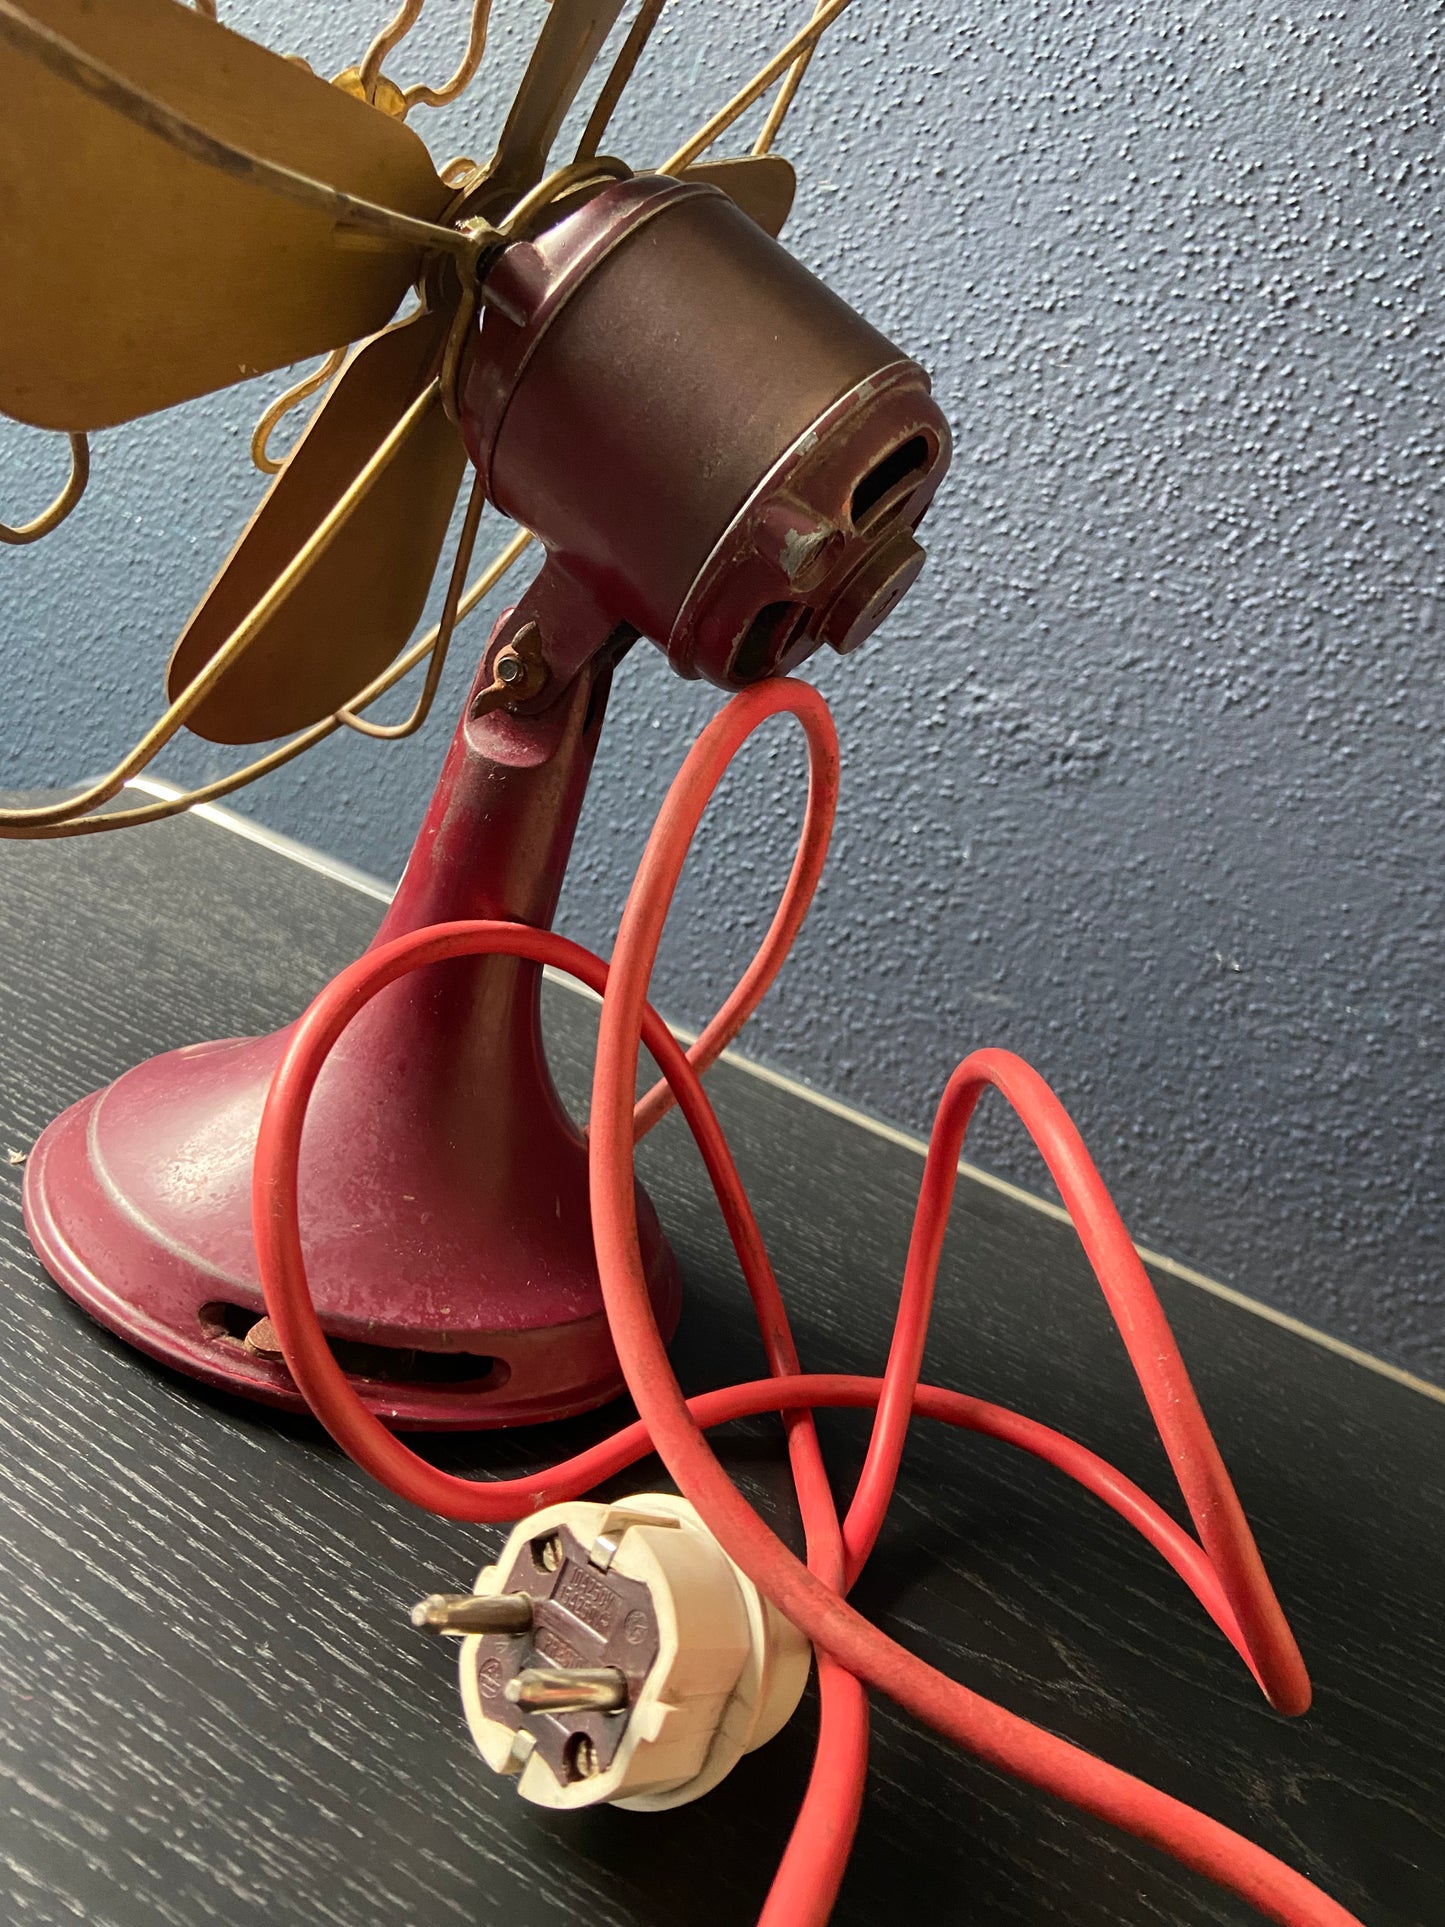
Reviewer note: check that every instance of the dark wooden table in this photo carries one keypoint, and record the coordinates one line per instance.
(217, 1714)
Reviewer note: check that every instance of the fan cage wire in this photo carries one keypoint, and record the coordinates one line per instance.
(65, 501)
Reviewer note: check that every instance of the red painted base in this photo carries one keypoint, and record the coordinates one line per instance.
(446, 1218)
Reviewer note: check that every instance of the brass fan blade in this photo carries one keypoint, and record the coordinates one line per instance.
(135, 276)
(570, 40)
(352, 613)
(763, 185)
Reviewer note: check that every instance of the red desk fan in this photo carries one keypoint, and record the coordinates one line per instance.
(714, 453)
(621, 316)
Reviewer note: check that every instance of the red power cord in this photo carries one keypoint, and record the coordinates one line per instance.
(1222, 1567)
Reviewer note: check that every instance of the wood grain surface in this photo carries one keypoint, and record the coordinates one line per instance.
(216, 1712)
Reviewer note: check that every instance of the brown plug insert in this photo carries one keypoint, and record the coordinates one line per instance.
(581, 1616)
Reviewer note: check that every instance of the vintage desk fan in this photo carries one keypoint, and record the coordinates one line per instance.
(583, 335)
(715, 453)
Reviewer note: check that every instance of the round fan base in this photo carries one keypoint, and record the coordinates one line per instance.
(457, 1298)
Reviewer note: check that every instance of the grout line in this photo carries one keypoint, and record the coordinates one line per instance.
(373, 887)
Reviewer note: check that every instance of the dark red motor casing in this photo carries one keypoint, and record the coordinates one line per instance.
(757, 455)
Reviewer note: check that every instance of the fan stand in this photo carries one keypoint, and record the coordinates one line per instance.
(446, 1224)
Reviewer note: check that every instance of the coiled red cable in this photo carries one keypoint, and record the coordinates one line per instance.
(1222, 1567)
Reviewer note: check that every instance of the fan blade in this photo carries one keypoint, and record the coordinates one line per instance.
(347, 618)
(136, 276)
(763, 185)
(570, 40)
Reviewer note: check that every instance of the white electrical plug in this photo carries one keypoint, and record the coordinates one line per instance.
(615, 1653)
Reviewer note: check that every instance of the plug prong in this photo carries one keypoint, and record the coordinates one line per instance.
(568, 1689)
(462, 1612)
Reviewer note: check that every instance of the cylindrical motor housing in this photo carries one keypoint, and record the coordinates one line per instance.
(707, 440)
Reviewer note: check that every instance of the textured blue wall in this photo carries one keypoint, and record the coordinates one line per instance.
(1144, 780)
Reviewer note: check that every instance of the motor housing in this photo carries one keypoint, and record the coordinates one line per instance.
(714, 449)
